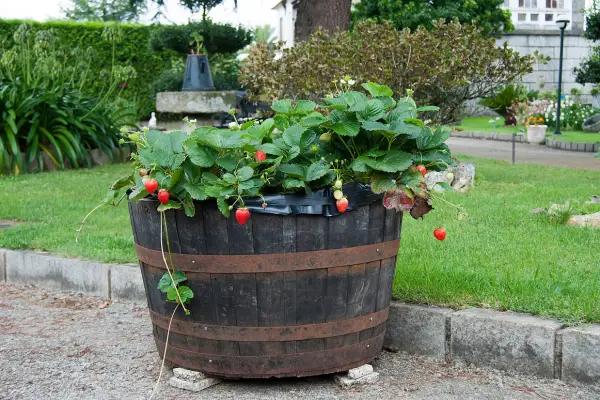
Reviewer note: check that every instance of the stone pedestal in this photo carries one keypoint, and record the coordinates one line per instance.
(196, 102)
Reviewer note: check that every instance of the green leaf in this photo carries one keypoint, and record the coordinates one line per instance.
(402, 128)
(171, 205)
(381, 183)
(428, 108)
(270, 148)
(165, 281)
(188, 206)
(346, 128)
(292, 170)
(175, 178)
(293, 135)
(172, 294)
(223, 206)
(293, 153)
(373, 111)
(282, 106)
(304, 107)
(201, 156)
(245, 173)
(281, 121)
(196, 190)
(313, 119)
(402, 111)
(376, 90)
(392, 161)
(186, 294)
(429, 139)
(139, 193)
(123, 182)
(336, 103)
(360, 165)
(210, 177)
(249, 184)
(353, 98)
(315, 171)
(388, 102)
(228, 163)
(291, 183)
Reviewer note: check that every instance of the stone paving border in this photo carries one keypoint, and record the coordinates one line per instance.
(552, 143)
(521, 343)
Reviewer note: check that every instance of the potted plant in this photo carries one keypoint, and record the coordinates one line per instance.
(197, 75)
(299, 282)
(536, 132)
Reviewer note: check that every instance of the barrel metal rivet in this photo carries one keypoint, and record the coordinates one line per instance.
(209, 361)
(205, 328)
(368, 346)
(193, 261)
(378, 250)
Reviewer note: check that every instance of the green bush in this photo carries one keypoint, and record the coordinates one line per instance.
(132, 48)
(445, 66)
(501, 100)
(49, 105)
(218, 38)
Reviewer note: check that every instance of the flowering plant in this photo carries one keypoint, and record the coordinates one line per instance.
(536, 121)
(351, 138)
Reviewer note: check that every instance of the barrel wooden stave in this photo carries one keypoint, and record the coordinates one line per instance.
(271, 299)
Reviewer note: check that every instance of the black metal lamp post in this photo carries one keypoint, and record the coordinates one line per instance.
(562, 21)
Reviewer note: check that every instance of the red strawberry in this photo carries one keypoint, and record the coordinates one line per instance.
(151, 185)
(242, 215)
(260, 155)
(440, 233)
(342, 204)
(422, 169)
(163, 196)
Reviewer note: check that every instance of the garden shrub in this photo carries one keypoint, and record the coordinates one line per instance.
(218, 38)
(445, 66)
(132, 49)
(502, 99)
(49, 104)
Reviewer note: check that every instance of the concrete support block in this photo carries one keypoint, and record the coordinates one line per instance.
(193, 381)
(57, 273)
(361, 371)
(581, 354)
(507, 341)
(126, 283)
(418, 329)
(347, 381)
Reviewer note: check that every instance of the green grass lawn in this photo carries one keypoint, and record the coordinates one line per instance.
(500, 256)
(481, 124)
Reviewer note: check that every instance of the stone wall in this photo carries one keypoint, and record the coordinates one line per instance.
(545, 77)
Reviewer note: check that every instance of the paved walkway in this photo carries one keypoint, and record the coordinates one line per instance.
(525, 153)
(62, 346)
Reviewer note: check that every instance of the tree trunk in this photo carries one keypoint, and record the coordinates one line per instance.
(331, 15)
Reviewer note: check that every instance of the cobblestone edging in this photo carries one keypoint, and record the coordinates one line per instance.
(504, 340)
(552, 143)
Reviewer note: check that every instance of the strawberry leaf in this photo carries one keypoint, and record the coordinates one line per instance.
(165, 281)
(196, 191)
(376, 90)
(223, 206)
(171, 205)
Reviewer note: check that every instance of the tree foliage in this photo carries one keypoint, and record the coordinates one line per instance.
(105, 10)
(486, 14)
(193, 5)
(589, 70)
(445, 66)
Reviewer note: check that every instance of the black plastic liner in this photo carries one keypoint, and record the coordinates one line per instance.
(319, 202)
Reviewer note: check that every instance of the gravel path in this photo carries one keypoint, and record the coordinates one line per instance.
(525, 153)
(65, 346)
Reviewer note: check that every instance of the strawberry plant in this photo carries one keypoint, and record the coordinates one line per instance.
(372, 139)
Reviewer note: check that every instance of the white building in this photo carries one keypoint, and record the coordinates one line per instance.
(535, 29)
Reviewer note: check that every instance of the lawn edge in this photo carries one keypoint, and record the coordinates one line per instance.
(551, 143)
(517, 342)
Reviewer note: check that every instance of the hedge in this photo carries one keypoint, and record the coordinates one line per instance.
(132, 49)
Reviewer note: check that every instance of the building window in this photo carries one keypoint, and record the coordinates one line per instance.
(549, 17)
(522, 17)
(555, 3)
(535, 17)
(528, 3)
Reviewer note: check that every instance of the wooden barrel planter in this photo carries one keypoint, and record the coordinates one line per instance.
(293, 295)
